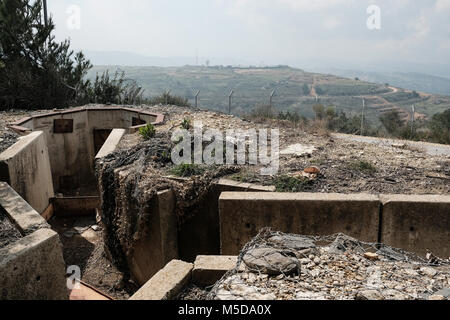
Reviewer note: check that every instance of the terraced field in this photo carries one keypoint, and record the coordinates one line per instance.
(296, 90)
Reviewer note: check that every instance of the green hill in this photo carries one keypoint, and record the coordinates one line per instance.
(296, 90)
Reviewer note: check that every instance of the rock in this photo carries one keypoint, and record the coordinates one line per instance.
(69, 234)
(95, 227)
(305, 261)
(371, 256)
(312, 170)
(293, 242)
(436, 297)
(369, 295)
(309, 296)
(444, 292)
(428, 271)
(271, 261)
(410, 272)
(391, 254)
(298, 150)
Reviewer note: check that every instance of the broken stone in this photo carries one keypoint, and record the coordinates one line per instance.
(298, 150)
(371, 256)
(391, 254)
(428, 271)
(436, 297)
(369, 295)
(293, 242)
(444, 292)
(271, 261)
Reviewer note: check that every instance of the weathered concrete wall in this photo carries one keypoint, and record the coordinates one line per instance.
(25, 166)
(203, 229)
(160, 245)
(70, 153)
(33, 268)
(75, 206)
(242, 215)
(167, 283)
(417, 223)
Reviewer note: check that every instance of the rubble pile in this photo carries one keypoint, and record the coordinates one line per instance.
(291, 267)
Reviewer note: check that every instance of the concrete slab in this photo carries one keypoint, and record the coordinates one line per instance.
(243, 215)
(417, 223)
(33, 268)
(111, 143)
(160, 245)
(167, 283)
(25, 218)
(209, 269)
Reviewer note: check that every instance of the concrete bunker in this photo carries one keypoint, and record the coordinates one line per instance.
(75, 136)
(37, 169)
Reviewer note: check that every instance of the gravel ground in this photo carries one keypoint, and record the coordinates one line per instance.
(333, 272)
(7, 139)
(84, 247)
(8, 233)
(193, 293)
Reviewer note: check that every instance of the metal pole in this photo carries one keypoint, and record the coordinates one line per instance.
(229, 101)
(413, 119)
(362, 118)
(167, 95)
(45, 12)
(196, 98)
(270, 100)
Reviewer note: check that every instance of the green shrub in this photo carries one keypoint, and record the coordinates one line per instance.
(168, 99)
(148, 131)
(362, 166)
(285, 183)
(186, 124)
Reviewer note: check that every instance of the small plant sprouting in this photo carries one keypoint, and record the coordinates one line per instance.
(285, 183)
(186, 124)
(148, 131)
(362, 166)
(187, 170)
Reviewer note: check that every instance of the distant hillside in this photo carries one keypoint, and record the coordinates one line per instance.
(296, 90)
(408, 80)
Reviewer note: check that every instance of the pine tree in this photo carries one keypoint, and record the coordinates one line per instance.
(35, 71)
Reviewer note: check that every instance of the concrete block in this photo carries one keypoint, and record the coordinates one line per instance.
(33, 268)
(417, 223)
(75, 206)
(243, 215)
(26, 219)
(209, 269)
(111, 143)
(203, 228)
(160, 245)
(167, 283)
(25, 166)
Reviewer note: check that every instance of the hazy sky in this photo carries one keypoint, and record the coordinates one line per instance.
(297, 32)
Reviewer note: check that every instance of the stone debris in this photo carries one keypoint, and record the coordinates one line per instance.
(271, 261)
(333, 270)
(371, 256)
(298, 150)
